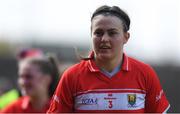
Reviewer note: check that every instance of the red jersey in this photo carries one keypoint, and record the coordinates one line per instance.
(84, 88)
(22, 105)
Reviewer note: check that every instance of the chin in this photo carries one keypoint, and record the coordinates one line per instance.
(104, 56)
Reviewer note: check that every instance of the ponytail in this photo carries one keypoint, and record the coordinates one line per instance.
(54, 73)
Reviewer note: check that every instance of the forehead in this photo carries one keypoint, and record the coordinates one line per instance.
(102, 21)
(27, 67)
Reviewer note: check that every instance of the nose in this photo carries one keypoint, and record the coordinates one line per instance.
(23, 81)
(105, 38)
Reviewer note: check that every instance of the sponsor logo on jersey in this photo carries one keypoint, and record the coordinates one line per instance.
(89, 101)
(131, 100)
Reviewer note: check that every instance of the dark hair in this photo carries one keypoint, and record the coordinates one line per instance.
(48, 65)
(114, 11)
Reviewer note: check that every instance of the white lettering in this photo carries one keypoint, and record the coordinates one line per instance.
(158, 97)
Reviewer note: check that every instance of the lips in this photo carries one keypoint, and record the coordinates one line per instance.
(26, 87)
(105, 47)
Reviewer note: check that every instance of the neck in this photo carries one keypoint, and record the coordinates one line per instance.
(109, 65)
(39, 102)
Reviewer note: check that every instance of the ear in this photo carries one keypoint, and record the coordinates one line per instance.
(126, 37)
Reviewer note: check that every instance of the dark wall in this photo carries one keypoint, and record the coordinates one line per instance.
(8, 69)
(170, 77)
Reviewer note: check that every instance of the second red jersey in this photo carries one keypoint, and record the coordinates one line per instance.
(23, 105)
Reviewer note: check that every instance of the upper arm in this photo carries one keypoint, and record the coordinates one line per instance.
(155, 98)
(62, 100)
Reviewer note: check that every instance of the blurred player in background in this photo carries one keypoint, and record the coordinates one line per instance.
(38, 75)
(109, 80)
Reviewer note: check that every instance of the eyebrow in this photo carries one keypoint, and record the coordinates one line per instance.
(113, 29)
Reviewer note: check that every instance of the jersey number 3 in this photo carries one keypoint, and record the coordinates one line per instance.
(110, 104)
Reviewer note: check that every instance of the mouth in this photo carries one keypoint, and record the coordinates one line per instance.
(104, 47)
(26, 87)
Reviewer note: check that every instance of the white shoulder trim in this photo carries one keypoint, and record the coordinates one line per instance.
(165, 111)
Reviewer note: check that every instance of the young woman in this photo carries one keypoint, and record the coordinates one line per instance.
(37, 81)
(109, 80)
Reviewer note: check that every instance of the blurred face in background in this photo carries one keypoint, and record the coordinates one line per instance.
(31, 80)
(108, 36)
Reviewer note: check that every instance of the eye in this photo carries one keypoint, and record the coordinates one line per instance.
(98, 33)
(112, 33)
(29, 76)
(26, 76)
